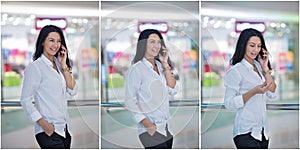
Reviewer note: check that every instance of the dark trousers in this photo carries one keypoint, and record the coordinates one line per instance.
(157, 140)
(55, 141)
(246, 141)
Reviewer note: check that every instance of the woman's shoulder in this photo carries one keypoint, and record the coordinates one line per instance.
(136, 65)
(235, 69)
(237, 66)
(34, 65)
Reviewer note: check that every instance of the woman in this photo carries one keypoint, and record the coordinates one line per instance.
(149, 86)
(47, 85)
(248, 85)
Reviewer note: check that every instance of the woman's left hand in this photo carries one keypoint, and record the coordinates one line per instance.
(62, 56)
(163, 57)
(263, 60)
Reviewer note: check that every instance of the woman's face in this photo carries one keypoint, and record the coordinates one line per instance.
(252, 48)
(51, 44)
(153, 46)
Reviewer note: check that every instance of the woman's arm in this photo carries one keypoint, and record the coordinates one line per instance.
(171, 82)
(263, 61)
(31, 82)
(260, 89)
(68, 77)
(269, 79)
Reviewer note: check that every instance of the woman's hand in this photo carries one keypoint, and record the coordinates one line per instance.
(262, 89)
(48, 127)
(163, 56)
(62, 57)
(263, 60)
(151, 128)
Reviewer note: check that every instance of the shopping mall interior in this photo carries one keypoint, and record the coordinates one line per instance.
(221, 24)
(21, 22)
(121, 23)
(201, 37)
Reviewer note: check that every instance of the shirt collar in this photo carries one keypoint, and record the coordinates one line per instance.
(46, 60)
(248, 65)
(147, 63)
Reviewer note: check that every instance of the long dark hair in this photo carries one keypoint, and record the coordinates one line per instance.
(142, 45)
(39, 48)
(241, 45)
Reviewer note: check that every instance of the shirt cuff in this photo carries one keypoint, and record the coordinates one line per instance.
(72, 92)
(271, 95)
(238, 101)
(139, 117)
(173, 91)
(35, 116)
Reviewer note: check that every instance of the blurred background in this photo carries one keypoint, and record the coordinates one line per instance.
(21, 22)
(221, 24)
(121, 23)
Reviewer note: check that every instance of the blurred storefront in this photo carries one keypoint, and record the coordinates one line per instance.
(20, 26)
(221, 24)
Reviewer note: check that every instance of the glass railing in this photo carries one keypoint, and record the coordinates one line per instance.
(17, 131)
(118, 130)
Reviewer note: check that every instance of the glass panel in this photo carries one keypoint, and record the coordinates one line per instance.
(18, 38)
(219, 34)
(16, 126)
(118, 130)
(218, 125)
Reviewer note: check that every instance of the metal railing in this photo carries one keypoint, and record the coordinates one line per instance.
(70, 103)
(174, 103)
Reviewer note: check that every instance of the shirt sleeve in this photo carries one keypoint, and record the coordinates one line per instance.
(72, 92)
(272, 95)
(133, 84)
(173, 91)
(31, 82)
(233, 99)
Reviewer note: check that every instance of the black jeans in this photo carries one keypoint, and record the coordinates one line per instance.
(55, 141)
(246, 141)
(157, 140)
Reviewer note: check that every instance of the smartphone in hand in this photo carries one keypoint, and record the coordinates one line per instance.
(162, 52)
(261, 53)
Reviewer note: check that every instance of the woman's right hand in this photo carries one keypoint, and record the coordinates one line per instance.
(48, 127)
(151, 127)
(151, 130)
(262, 89)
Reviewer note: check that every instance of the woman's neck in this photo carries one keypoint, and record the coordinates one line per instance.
(51, 58)
(251, 61)
(151, 60)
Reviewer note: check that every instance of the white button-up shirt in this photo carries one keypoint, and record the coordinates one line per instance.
(251, 116)
(45, 95)
(147, 95)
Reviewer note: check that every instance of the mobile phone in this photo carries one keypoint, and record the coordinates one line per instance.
(59, 52)
(262, 54)
(163, 51)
